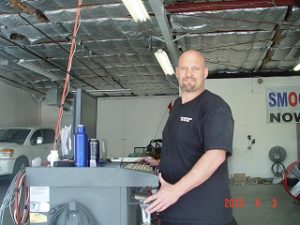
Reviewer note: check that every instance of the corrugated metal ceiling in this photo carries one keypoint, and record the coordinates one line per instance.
(114, 52)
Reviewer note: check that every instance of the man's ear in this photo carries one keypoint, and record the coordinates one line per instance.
(205, 72)
(176, 72)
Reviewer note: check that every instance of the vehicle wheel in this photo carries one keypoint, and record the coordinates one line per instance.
(20, 164)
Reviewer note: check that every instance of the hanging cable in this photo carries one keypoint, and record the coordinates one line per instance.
(69, 66)
(18, 205)
(74, 213)
(21, 212)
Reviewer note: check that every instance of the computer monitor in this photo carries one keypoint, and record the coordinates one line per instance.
(85, 112)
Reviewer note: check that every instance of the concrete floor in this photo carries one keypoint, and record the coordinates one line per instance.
(257, 208)
(260, 205)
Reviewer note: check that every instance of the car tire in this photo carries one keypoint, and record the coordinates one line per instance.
(20, 164)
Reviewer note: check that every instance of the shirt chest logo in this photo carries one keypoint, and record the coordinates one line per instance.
(185, 119)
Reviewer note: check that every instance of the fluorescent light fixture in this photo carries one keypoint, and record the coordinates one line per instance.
(137, 10)
(297, 68)
(107, 90)
(37, 69)
(110, 90)
(164, 62)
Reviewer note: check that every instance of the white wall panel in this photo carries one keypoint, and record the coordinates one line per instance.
(26, 109)
(130, 122)
(18, 107)
(6, 105)
(111, 125)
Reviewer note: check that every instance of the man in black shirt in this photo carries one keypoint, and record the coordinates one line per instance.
(197, 140)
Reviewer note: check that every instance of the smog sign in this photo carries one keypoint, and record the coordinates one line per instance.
(283, 104)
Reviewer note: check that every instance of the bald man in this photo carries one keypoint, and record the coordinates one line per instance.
(197, 139)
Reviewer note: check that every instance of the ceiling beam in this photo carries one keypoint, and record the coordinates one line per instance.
(254, 75)
(236, 4)
(163, 23)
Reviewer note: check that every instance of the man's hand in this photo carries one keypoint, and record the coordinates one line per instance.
(149, 160)
(166, 196)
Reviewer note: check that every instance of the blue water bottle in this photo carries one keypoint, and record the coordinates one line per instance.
(81, 147)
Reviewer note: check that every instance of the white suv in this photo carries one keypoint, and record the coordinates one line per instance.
(18, 146)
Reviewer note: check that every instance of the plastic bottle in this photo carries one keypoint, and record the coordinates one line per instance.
(81, 147)
(53, 157)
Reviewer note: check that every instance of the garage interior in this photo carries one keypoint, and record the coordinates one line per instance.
(251, 47)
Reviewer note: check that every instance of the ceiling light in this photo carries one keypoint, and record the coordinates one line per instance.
(297, 68)
(110, 90)
(164, 62)
(37, 69)
(137, 10)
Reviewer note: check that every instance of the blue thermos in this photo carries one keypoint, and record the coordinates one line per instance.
(81, 147)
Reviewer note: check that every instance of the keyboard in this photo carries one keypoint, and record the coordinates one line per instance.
(139, 167)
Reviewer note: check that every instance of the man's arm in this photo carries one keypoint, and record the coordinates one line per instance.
(168, 194)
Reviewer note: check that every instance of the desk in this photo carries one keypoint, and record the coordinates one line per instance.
(105, 191)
